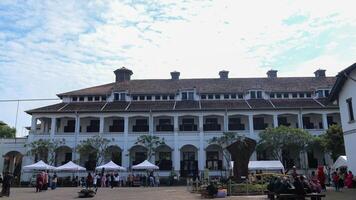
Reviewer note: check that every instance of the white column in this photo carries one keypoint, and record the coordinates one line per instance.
(300, 121)
(76, 135)
(33, 124)
(150, 124)
(226, 122)
(275, 120)
(250, 123)
(176, 152)
(126, 155)
(325, 121)
(102, 124)
(201, 157)
(53, 127)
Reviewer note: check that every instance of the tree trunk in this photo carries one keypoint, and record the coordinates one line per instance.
(241, 152)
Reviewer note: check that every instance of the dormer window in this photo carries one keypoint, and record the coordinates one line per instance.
(322, 93)
(103, 98)
(74, 98)
(256, 94)
(96, 98)
(171, 97)
(188, 95)
(120, 96)
(90, 98)
(81, 98)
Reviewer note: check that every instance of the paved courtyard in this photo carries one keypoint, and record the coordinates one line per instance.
(164, 193)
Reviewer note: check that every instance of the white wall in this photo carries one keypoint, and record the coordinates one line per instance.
(349, 128)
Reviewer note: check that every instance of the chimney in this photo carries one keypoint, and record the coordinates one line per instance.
(272, 73)
(224, 75)
(123, 74)
(175, 75)
(319, 73)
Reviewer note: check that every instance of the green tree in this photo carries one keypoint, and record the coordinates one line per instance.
(44, 149)
(276, 140)
(333, 141)
(6, 131)
(95, 146)
(151, 143)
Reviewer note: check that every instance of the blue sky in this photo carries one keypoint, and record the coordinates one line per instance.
(49, 47)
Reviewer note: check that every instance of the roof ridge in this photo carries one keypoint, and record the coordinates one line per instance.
(63, 107)
(248, 104)
(175, 103)
(318, 102)
(128, 105)
(104, 106)
(269, 100)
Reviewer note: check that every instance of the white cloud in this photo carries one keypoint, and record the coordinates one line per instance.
(56, 46)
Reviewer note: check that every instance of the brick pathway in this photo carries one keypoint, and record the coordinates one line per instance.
(162, 193)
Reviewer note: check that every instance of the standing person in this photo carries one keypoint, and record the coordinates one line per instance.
(39, 182)
(321, 177)
(112, 180)
(335, 178)
(6, 184)
(348, 180)
(96, 179)
(89, 181)
(45, 180)
(54, 181)
(341, 179)
(103, 180)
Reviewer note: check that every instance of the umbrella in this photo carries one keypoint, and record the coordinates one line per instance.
(111, 166)
(40, 165)
(71, 167)
(145, 165)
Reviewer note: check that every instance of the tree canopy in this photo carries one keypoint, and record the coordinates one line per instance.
(6, 131)
(150, 142)
(44, 149)
(275, 140)
(333, 141)
(95, 146)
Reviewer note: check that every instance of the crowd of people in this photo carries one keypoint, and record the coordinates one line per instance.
(315, 183)
(45, 181)
(115, 180)
(341, 179)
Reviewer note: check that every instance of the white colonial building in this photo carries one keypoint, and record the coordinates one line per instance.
(186, 113)
(344, 91)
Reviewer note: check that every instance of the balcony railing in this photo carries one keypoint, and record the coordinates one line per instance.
(188, 127)
(92, 129)
(260, 126)
(116, 128)
(140, 128)
(236, 127)
(164, 127)
(69, 129)
(212, 127)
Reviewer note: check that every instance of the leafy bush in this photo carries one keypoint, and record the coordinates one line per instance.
(243, 188)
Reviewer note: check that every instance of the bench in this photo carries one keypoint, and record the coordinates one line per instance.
(312, 196)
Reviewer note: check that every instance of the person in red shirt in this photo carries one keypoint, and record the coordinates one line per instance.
(39, 182)
(336, 178)
(321, 177)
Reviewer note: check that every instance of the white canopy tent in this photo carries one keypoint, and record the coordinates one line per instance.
(341, 161)
(40, 165)
(111, 166)
(70, 167)
(268, 165)
(145, 165)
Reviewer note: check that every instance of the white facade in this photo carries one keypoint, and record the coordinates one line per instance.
(185, 115)
(349, 127)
